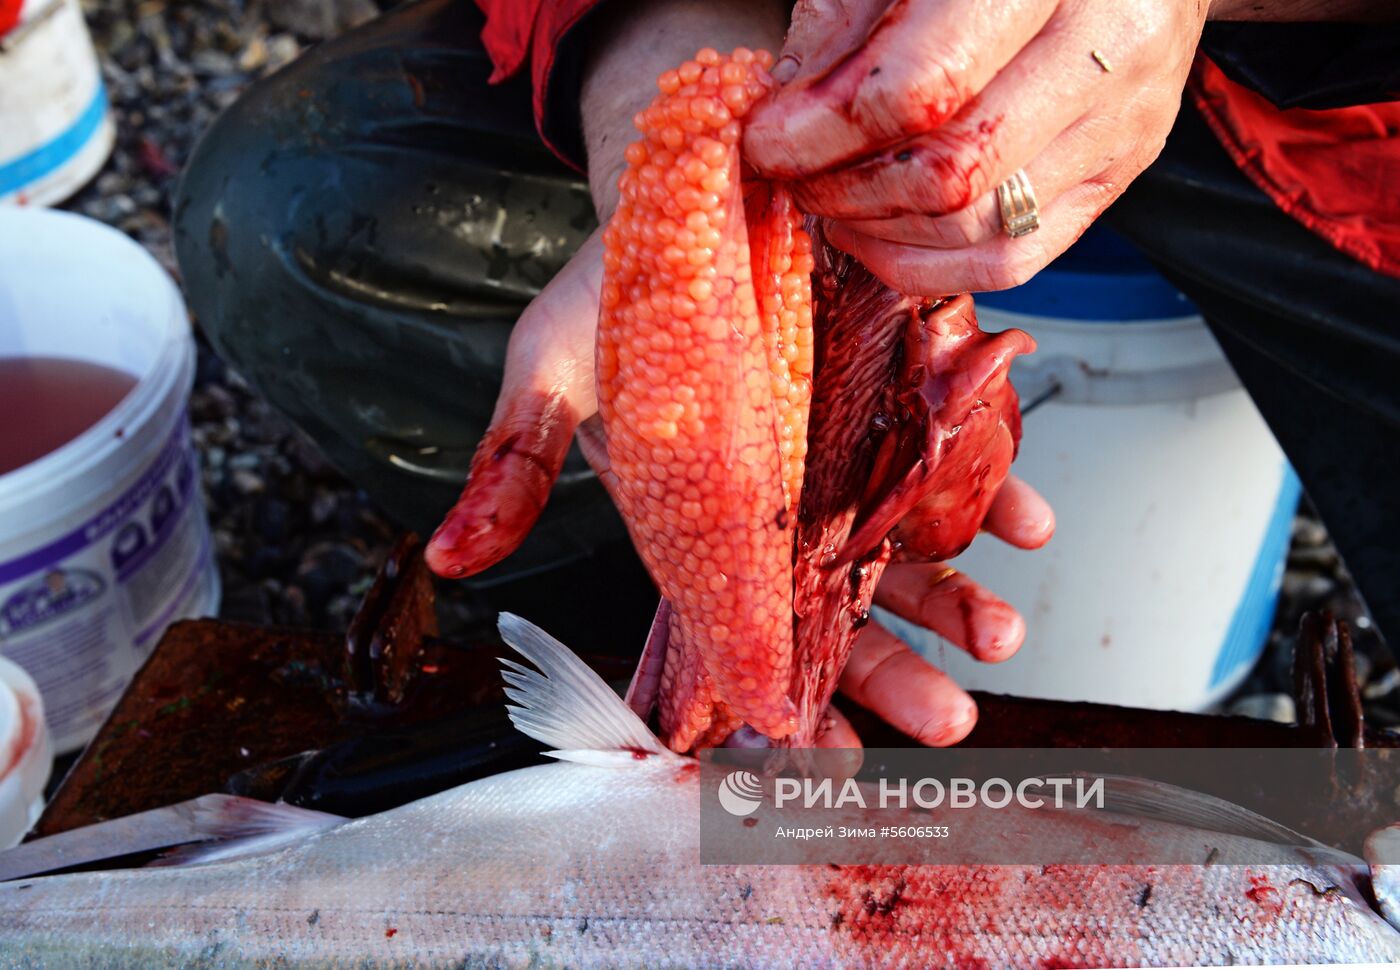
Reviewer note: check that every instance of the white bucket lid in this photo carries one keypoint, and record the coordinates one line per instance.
(26, 758)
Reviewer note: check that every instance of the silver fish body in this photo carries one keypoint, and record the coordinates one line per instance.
(573, 866)
(598, 865)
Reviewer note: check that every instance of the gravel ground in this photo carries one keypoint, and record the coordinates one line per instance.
(296, 543)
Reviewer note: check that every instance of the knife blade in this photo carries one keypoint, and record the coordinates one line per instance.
(159, 828)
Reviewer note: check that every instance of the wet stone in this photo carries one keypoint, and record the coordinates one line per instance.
(319, 19)
(1265, 707)
(1308, 587)
(1308, 533)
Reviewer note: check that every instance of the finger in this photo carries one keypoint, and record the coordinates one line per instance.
(922, 62)
(1041, 94)
(1019, 516)
(998, 263)
(546, 390)
(1064, 164)
(1076, 154)
(960, 610)
(820, 33)
(893, 682)
(593, 442)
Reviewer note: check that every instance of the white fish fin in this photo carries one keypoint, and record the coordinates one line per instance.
(1382, 851)
(238, 827)
(1166, 802)
(565, 705)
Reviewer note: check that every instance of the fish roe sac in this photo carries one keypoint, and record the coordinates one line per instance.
(704, 369)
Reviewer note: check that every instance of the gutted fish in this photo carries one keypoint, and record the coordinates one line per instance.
(594, 862)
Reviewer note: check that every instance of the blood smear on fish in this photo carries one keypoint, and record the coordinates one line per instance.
(49, 401)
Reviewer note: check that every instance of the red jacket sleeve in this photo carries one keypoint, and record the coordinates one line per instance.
(522, 33)
(9, 15)
(1334, 170)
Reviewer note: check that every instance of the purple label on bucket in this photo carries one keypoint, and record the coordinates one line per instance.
(51, 597)
(104, 521)
(137, 542)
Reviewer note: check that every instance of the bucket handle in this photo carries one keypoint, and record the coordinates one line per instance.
(1069, 380)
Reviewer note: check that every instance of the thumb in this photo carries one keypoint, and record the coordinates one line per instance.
(821, 35)
(547, 389)
(822, 32)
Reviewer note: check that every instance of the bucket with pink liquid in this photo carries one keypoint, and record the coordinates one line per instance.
(103, 535)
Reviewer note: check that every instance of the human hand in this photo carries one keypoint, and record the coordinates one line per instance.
(903, 689)
(548, 390)
(900, 119)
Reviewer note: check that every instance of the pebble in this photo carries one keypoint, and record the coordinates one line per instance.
(213, 63)
(281, 51)
(323, 506)
(1384, 685)
(213, 401)
(319, 19)
(1265, 707)
(253, 56)
(248, 482)
(1309, 533)
(1308, 587)
(1321, 558)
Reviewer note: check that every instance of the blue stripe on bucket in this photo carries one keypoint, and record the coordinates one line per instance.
(1119, 297)
(1102, 277)
(52, 155)
(1249, 627)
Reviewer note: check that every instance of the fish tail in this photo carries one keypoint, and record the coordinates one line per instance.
(561, 702)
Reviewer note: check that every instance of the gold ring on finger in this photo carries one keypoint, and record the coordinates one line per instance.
(1020, 215)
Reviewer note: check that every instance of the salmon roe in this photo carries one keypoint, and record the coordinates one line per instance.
(704, 369)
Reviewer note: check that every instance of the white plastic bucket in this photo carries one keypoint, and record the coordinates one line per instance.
(56, 128)
(26, 756)
(1174, 504)
(104, 541)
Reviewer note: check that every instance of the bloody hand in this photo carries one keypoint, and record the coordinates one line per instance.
(901, 118)
(549, 389)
